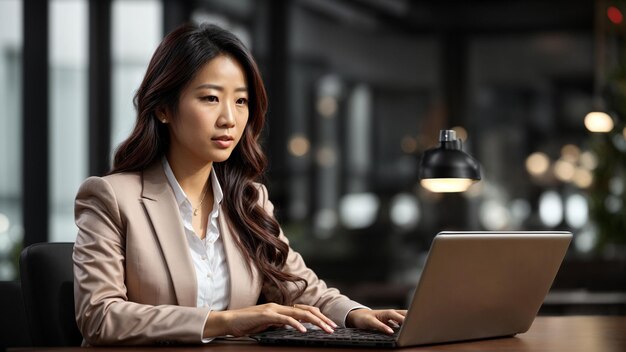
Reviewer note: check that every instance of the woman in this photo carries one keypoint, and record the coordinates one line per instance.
(179, 243)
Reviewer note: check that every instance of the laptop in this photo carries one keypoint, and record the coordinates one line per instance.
(474, 285)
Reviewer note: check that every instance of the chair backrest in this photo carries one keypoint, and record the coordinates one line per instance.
(13, 326)
(48, 288)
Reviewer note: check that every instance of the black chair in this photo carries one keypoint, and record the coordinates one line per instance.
(48, 290)
(13, 327)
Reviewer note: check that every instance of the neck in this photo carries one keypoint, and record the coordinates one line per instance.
(192, 177)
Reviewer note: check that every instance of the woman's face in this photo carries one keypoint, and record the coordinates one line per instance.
(212, 113)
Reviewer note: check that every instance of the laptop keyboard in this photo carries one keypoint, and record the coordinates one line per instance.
(342, 334)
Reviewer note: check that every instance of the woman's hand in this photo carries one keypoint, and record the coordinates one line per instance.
(250, 320)
(382, 320)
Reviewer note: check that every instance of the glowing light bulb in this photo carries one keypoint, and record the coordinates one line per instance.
(597, 121)
(446, 185)
(537, 163)
(299, 145)
(564, 170)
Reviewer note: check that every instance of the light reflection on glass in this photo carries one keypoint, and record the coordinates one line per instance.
(550, 208)
(358, 210)
(494, 216)
(576, 211)
(405, 211)
(586, 239)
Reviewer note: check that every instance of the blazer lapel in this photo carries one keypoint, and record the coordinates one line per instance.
(244, 280)
(160, 203)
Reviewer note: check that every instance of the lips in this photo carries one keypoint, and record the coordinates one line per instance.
(223, 141)
(223, 138)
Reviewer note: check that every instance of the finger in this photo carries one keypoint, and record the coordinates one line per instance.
(287, 320)
(378, 325)
(316, 311)
(318, 314)
(313, 319)
(402, 311)
(309, 317)
(394, 324)
(395, 316)
(274, 316)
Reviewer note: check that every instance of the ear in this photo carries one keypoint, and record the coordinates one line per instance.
(162, 115)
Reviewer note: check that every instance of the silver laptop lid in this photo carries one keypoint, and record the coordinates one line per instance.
(482, 284)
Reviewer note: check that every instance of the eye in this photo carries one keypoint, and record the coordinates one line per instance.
(209, 98)
(242, 101)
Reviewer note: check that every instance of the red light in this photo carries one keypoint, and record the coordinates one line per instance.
(615, 15)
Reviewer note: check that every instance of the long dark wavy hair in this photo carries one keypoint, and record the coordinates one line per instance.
(181, 54)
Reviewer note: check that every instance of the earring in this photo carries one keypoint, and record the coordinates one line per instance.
(164, 120)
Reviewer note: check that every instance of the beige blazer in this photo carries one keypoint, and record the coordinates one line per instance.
(135, 281)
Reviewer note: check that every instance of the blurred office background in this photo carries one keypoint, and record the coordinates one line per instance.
(358, 90)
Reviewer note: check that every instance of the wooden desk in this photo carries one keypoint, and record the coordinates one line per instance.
(571, 333)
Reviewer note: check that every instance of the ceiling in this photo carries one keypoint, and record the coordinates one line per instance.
(472, 17)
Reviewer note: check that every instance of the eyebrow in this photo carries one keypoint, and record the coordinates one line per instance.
(220, 88)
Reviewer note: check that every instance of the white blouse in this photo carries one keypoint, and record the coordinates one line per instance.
(208, 255)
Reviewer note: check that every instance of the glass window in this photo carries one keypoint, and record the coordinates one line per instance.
(68, 115)
(11, 230)
(133, 41)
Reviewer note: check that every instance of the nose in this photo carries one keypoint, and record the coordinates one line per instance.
(227, 116)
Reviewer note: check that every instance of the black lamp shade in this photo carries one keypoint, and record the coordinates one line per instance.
(449, 161)
(447, 168)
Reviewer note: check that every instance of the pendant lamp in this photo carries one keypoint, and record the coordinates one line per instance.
(447, 168)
